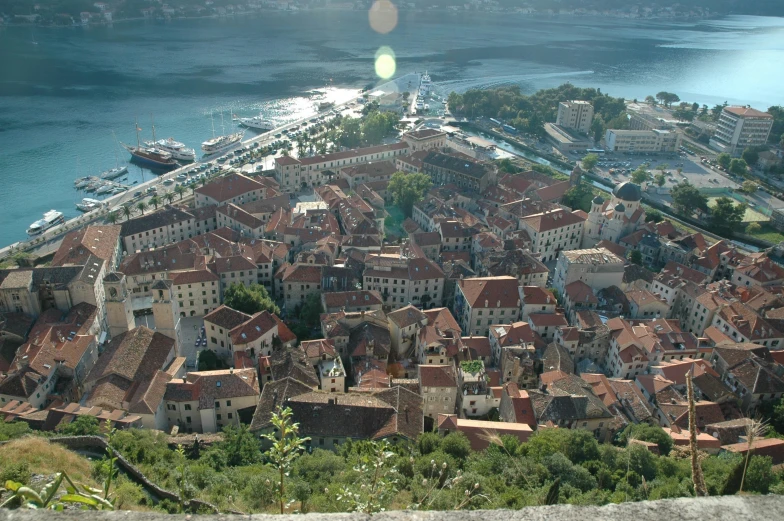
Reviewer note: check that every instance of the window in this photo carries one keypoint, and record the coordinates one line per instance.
(187, 407)
(228, 403)
(231, 415)
(187, 419)
(218, 416)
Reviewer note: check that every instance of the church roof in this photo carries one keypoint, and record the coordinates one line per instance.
(627, 191)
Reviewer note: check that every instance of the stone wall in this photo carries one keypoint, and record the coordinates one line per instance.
(728, 508)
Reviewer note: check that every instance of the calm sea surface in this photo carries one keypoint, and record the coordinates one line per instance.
(61, 99)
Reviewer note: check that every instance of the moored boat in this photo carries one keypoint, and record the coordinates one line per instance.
(177, 150)
(88, 204)
(150, 156)
(51, 218)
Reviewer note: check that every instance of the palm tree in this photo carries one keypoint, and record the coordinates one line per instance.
(204, 180)
(127, 211)
(179, 190)
(193, 188)
(112, 218)
(155, 201)
(169, 197)
(141, 206)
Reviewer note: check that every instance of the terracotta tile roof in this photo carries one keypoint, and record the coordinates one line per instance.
(442, 319)
(676, 370)
(350, 299)
(229, 187)
(406, 316)
(78, 245)
(348, 154)
(292, 363)
(314, 349)
(256, 327)
(437, 376)
(537, 296)
(747, 322)
(299, 273)
(554, 192)
(369, 340)
(194, 277)
(496, 292)
(150, 394)
(514, 334)
(613, 247)
(211, 386)
(462, 165)
(543, 222)
(547, 320)
(773, 447)
(134, 356)
(426, 238)
(477, 431)
(580, 293)
(557, 358)
(275, 394)
(748, 112)
(423, 133)
(226, 317)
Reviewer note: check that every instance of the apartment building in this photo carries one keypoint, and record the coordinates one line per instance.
(461, 171)
(401, 280)
(197, 291)
(234, 188)
(482, 301)
(739, 128)
(425, 139)
(292, 173)
(438, 385)
(553, 231)
(576, 115)
(168, 225)
(642, 141)
(597, 267)
(207, 401)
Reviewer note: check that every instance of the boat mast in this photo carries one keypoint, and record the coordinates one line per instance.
(223, 129)
(138, 143)
(152, 122)
(116, 158)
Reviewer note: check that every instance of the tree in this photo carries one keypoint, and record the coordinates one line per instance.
(169, 196)
(640, 176)
(179, 190)
(753, 228)
(723, 160)
(311, 310)
(349, 133)
(286, 448)
(112, 217)
(141, 206)
(751, 156)
(597, 128)
(662, 167)
(649, 433)
(579, 196)
(749, 187)
(249, 299)
(739, 167)
(686, 198)
(660, 179)
(635, 257)
(155, 201)
(81, 426)
(127, 211)
(653, 215)
(208, 360)
(240, 446)
(726, 216)
(650, 100)
(590, 161)
(408, 189)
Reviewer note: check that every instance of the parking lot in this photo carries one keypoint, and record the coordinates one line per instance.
(691, 169)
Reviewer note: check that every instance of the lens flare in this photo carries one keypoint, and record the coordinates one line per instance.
(383, 16)
(385, 63)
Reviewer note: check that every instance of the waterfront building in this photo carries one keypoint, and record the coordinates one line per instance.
(642, 141)
(576, 115)
(294, 173)
(168, 225)
(235, 188)
(566, 140)
(740, 128)
(425, 139)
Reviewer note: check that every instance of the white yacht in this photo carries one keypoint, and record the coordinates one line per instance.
(51, 218)
(105, 189)
(219, 144)
(177, 150)
(88, 204)
(114, 173)
(257, 122)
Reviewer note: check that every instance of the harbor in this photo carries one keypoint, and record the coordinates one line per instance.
(117, 195)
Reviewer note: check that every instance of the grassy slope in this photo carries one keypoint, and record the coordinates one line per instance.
(47, 458)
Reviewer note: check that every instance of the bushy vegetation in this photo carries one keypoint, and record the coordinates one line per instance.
(529, 113)
(435, 472)
(249, 299)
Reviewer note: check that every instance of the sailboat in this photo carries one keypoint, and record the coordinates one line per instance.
(221, 143)
(178, 150)
(118, 170)
(150, 156)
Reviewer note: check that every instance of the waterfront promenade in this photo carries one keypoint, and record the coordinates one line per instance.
(49, 241)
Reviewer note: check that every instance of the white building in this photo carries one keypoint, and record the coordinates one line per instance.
(576, 115)
(642, 141)
(598, 268)
(739, 128)
(610, 220)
